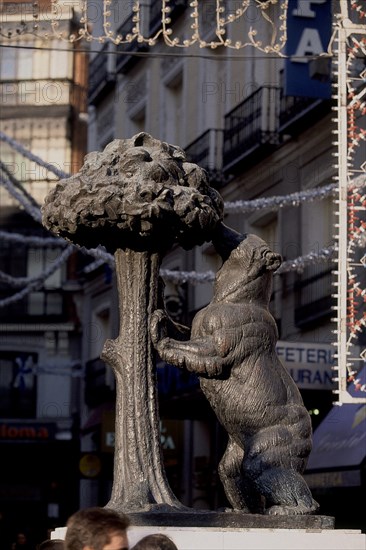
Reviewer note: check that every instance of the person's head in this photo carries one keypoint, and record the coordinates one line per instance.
(96, 529)
(21, 539)
(52, 544)
(157, 541)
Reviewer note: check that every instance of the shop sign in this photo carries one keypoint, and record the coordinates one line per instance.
(309, 26)
(310, 365)
(18, 431)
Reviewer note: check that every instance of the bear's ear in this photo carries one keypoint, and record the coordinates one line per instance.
(273, 261)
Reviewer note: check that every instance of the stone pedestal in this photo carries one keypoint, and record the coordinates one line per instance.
(235, 531)
(211, 538)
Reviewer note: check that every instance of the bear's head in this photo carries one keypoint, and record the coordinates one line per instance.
(255, 256)
(247, 273)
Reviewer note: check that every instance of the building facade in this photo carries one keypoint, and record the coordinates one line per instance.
(261, 125)
(43, 97)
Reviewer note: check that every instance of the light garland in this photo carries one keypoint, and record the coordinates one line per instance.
(17, 184)
(351, 291)
(32, 241)
(37, 282)
(235, 207)
(45, 24)
(19, 148)
(19, 197)
(351, 101)
(297, 264)
(359, 6)
(176, 277)
(278, 202)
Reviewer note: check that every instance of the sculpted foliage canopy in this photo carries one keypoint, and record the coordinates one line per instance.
(139, 193)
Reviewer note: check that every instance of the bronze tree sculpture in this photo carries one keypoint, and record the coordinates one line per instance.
(137, 198)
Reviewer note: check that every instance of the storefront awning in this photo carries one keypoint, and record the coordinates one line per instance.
(339, 443)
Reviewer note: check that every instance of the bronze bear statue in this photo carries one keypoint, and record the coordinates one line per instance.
(232, 350)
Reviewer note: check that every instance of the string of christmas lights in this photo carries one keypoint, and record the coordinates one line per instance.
(236, 207)
(351, 230)
(20, 198)
(280, 201)
(359, 7)
(37, 282)
(19, 148)
(46, 23)
(32, 241)
(273, 203)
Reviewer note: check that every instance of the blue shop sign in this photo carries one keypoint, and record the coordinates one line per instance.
(308, 35)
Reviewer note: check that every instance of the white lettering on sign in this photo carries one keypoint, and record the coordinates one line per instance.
(292, 353)
(311, 378)
(310, 365)
(310, 44)
(304, 8)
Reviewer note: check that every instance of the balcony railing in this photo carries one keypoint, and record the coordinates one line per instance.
(298, 113)
(176, 8)
(101, 78)
(251, 126)
(206, 151)
(313, 296)
(125, 61)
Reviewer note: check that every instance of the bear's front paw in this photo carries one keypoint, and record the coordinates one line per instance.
(213, 368)
(158, 326)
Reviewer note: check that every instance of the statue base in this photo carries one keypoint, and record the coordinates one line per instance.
(236, 531)
(230, 520)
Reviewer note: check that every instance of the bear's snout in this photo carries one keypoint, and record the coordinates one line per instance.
(273, 260)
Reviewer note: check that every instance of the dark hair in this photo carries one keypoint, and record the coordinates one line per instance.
(52, 544)
(93, 527)
(157, 541)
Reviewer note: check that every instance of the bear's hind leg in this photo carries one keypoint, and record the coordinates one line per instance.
(230, 475)
(286, 492)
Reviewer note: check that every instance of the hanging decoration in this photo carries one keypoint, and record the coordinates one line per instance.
(14, 188)
(351, 230)
(46, 22)
(349, 32)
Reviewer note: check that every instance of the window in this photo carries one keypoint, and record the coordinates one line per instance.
(46, 138)
(266, 227)
(47, 302)
(17, 385)
(138, 121)
(26, 62)
(7, 63)
(174, 105)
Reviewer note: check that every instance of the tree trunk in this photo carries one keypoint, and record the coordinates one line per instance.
(139, 482)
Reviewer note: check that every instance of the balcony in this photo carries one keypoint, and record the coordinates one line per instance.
(101, 78)
(313, 296)
(206, 151)
(125, 62)
(298, 113)
(251, 128)
(177, 7)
